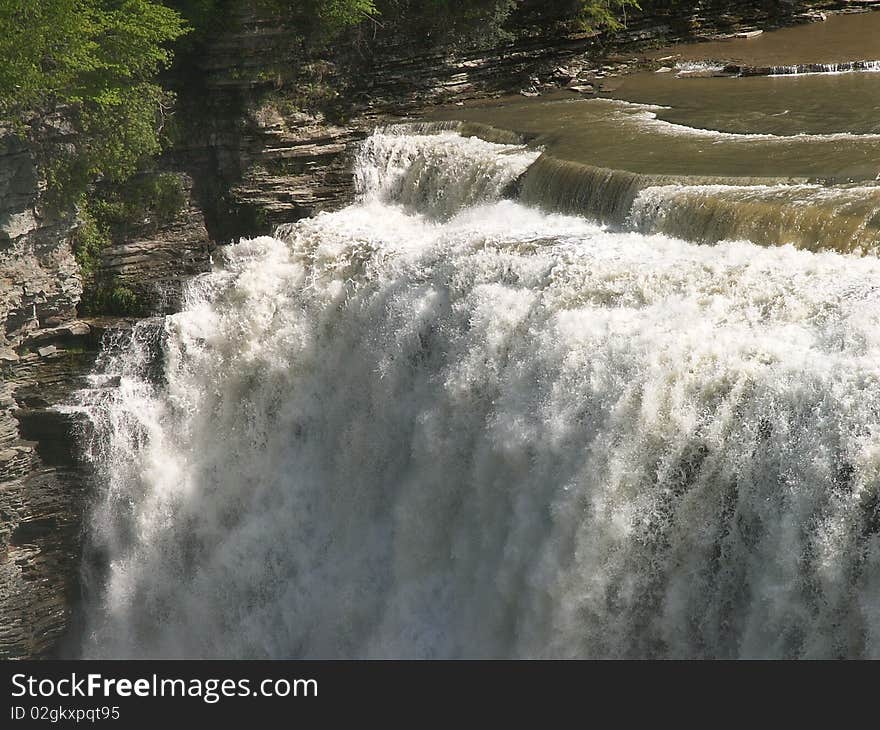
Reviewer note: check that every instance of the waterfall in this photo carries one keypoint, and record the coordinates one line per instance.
(768, 212)
(845, 218)
(445, 423)
(437, 172)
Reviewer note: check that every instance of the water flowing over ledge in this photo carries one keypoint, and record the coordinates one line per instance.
(440, 168)
(440, 423)
(437, 169)
(803, 68)
(814, 217)
(686, 69)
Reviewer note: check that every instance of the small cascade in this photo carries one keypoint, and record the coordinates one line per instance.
(436, 170)
(802, 68)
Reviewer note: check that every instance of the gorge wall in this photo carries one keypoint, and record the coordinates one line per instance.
(266, 134)
(46, 350)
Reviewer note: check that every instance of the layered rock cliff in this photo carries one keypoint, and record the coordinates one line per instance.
(46, 349)
(40, 352)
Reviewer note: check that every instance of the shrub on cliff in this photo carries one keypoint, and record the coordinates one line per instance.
(604, 13)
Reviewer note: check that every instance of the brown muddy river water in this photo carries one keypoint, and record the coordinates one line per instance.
(787, 157)
(851, 37)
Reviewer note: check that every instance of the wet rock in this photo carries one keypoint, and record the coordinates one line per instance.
(562, 75)
(45, 352)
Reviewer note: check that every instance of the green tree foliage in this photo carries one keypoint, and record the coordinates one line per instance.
(447, 22)
(475, 22)
(597, 14)
(341, 13)
(314, 17)
(93, 63)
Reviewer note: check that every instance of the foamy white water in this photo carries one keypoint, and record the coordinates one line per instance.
(465, 428)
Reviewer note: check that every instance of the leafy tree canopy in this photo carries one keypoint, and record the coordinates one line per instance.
(339, 13)
(94, 61)
(604, 13)
(81, 51)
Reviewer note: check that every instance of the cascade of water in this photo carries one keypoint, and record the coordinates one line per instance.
(439, 423)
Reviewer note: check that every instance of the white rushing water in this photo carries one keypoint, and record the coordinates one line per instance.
(708, 68)
(461, 427)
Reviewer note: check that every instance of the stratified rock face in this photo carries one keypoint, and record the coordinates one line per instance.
(155, 264)
(39, 279)
(45, 353)
(41, 352)
(294, 167)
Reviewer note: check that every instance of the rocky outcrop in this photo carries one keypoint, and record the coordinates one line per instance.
(46, 351)
(293, 167)
(155, 263)
(40, 353)
(39, 278)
